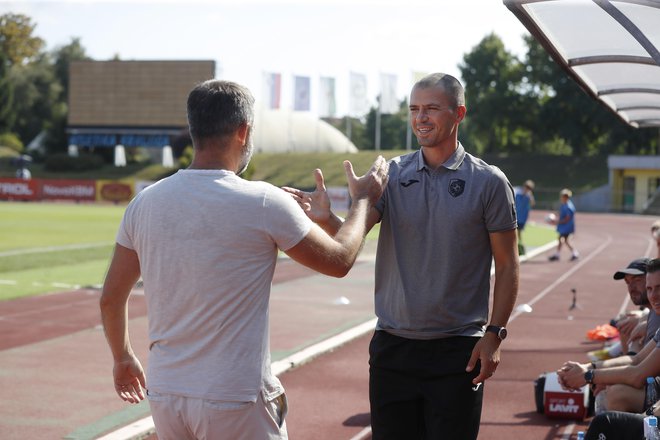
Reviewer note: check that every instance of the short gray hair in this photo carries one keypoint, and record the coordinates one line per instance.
(218, 108)
(450, 85)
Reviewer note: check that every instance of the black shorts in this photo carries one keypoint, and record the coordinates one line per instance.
(614, 425)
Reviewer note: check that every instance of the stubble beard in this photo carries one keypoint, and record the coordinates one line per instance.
(246, 154)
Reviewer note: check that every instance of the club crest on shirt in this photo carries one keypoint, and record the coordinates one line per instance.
(456, 187)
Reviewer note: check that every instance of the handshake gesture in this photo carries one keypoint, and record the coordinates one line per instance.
(369, 186)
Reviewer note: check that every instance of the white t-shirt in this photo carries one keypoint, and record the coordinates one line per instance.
(207, 242)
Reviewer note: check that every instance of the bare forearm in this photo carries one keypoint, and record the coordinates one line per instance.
(115, 326)
(352, 231)
(628, 375)
(332, 225)
(505, 292)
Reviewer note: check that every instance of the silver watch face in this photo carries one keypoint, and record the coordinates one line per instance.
(502, 333)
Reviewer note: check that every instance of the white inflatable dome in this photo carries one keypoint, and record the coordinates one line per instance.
(286, 131)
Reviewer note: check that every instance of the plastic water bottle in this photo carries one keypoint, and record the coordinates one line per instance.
(651, 396)
(580, 435)
(651, 428)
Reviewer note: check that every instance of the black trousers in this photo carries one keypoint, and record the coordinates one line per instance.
(418, 389)
(615, 425)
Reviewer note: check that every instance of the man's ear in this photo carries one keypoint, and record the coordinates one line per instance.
(242, 133)
(460, 113)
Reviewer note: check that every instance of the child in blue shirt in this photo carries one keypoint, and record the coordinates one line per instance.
(565, 224)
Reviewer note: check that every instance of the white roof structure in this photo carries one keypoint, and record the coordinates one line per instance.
(610, 48)
(286, 131)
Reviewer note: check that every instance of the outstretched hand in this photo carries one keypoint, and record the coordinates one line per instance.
(129, 380)
(370, 185)
(315, 204)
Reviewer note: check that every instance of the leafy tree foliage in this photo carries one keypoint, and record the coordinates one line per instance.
(16, 39)
(492, 76)
(56, 140)
(514, 105)
(532, 105)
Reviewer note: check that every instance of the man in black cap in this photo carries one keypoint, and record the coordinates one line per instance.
(637, 327)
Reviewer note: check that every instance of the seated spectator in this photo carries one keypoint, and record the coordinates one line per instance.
(636, 327)
(624, 375)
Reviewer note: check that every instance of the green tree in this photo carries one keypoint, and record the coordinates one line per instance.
(16, 39)
(63, 56)
(569, 117)
(56, 139)
(493, 77)
(36, 97)
(6, 97)
(393, 129)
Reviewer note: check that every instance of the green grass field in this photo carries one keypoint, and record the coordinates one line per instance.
(49, 247)
(45, 247)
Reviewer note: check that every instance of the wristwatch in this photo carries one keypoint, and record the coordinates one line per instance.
(589, 376)
(499, 331)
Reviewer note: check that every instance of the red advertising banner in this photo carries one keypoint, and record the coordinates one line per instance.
(115, 191)
(18, 189)
(79, 190)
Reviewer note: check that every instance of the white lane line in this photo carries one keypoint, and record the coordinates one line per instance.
(65, 247)
(146, 424)
(562, 278)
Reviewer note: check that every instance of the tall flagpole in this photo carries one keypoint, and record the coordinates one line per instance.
(408, 134)
(377, 142)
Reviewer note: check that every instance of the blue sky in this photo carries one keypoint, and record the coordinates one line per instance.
(299, 37)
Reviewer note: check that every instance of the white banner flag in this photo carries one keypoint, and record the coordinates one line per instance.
(359, 105)
(327, 104)
(388, 101)
(301, 98)
(273, 83)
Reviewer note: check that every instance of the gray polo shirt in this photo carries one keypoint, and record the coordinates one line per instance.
(434, 256)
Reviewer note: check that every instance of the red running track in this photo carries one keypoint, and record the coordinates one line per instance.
(56, 383)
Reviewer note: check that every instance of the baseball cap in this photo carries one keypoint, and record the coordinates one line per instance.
(636, 267)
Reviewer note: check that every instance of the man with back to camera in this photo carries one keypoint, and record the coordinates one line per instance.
(205, 242)
(445, 215)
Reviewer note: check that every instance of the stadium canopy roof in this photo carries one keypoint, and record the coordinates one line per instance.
(610, 48)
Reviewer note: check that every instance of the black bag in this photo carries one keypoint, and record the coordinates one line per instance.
(539, 386)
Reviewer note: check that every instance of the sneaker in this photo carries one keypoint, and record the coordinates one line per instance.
(574, 257)
(553, 258)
